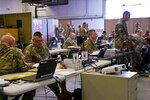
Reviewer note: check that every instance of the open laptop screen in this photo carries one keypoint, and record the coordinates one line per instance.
(46, 68)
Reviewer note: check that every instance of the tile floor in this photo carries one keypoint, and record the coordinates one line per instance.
(72, 83)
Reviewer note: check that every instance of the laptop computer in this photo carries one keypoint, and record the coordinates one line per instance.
(99, 53)
(45, 70)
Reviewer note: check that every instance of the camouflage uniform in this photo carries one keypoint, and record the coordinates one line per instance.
(68, 42)
(121, 35)
(35, 54)
(136, 57)
(11, 60)
(68, 32)
(82, 32)
(89, 46)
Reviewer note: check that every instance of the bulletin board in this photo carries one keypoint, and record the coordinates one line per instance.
(12, 31)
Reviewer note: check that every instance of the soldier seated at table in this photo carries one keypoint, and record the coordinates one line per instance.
(38, 51)
(12, 61)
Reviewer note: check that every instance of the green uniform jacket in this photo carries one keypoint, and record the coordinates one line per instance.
(89, 46)
(121, 34)
(11, 60)
(35, 54)
(68, 32)
(68, 42)
(82, 32)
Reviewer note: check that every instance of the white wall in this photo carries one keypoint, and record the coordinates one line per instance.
(75, 9)
(11, 6)
(90, 11)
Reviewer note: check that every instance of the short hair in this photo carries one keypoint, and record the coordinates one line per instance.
(90, 31)
(39, 34)
(8, 38)
(126, 13)
(84, 22)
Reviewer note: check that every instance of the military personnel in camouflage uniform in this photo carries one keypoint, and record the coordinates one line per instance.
(11, 60)
(7, 52)
(89, 45)
(121, 35)
(38, 51)
(68, 31)
(83, 30)
(121, 32)
(70, 41)
(137, 39)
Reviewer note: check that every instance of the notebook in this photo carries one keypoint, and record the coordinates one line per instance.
(45, 70)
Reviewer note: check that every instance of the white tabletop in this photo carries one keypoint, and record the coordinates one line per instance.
(57, 51)
(22, 86)
(74, 47)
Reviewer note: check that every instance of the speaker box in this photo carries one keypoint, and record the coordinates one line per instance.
(19, 23)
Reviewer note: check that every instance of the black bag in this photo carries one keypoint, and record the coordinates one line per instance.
(77, 94)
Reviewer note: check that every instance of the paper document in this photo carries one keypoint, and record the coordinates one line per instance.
(35, 65)
(3, 82)
(95, 52)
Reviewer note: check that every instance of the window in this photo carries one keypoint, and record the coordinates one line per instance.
(138, 8)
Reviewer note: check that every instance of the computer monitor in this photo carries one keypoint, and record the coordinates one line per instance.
(80, 40)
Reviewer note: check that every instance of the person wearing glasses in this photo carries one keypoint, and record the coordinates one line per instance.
(37, 51)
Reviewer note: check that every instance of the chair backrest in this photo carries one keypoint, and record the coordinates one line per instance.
(24, 45)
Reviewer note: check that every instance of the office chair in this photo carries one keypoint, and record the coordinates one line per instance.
(24, 45)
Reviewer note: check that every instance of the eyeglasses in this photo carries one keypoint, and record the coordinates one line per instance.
(39, 41)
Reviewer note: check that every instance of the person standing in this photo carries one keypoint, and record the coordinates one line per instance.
(121, 32)
(68, 31)
(83, 29)
(60, 31)
(121, 36)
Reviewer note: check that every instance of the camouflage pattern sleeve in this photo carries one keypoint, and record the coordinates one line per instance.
(28, 53)
(34, 54)
(20, 62)
(11, 61)
(89, 46)
(121, 34)
(68, 42)
(82, 32)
